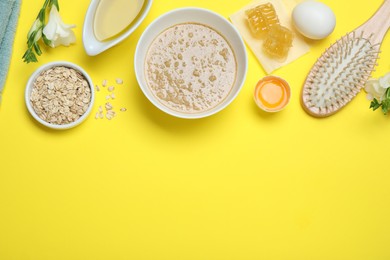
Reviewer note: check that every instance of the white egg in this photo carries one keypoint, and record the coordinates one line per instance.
(313, 19)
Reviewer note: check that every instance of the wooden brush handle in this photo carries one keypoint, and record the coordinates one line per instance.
(377, 25)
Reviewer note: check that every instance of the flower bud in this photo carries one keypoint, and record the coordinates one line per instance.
(37, 29)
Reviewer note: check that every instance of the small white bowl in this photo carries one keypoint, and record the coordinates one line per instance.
(92, 45)
(191, 15)
(29, 88)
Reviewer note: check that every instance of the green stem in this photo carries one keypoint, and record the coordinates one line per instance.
(47, 2)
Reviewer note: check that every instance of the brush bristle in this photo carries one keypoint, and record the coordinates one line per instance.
(339, 75)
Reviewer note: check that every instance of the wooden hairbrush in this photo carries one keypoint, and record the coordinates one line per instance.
(344, 68)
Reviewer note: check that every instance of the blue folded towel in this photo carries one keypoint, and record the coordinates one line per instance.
(9, 14)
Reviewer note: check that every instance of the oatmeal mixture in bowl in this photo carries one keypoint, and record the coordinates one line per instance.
(190, 68)
(191, 63)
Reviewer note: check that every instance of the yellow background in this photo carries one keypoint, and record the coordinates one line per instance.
(240, 185)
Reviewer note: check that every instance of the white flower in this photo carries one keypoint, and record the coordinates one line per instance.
(374, 90)
(377, 88)
(57, 31)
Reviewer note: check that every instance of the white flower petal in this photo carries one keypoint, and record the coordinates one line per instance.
(369, 87)
(66, 41)
(57, 31)
(369, 97)
(385, 81)
(50, 30)
(379, 90)
(373, 88)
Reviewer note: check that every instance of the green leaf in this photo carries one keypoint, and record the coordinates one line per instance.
(29, 56)
(375, 104)
(30, 40)
(41, 15)
(388, 93)
(386, 106)
(385, 110)
(46, 40)
(37, 49)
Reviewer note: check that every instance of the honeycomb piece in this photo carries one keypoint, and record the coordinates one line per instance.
(261, 18)
(278, 41)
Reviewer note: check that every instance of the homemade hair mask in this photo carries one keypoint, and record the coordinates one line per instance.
(272, 94)
(190, 68)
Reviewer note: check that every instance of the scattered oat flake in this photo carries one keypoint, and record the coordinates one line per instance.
(109, 106)
(111, 112)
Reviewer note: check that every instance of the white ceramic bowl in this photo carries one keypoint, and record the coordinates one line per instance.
(29, 88)
(93, 46)
(194, 15)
